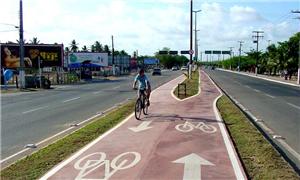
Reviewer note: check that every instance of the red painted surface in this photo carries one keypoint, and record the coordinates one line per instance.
(160, 145)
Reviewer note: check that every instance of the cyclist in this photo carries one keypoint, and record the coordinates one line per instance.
(144, 85)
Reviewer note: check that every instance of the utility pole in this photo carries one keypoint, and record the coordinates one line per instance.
(240, 54)
(21, 43)
(191, 40)
(231, 55)
(113, 55)
(298, 81)
(196, 43)
(256, 40)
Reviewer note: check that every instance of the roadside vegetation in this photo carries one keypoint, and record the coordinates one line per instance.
(278, 57)
(260, 159)
(37, 164)
(192, 86)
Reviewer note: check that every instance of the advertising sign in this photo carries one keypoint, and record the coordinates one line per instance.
(50, 55)
(151, 61)
(88, 59)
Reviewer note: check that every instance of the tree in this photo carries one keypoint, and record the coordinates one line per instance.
(106, 49)
(169, 61)
(67, 49)
(74, 46)
(98, 47)
(93, 49)
(84, 49)
(123, 53)
(34, 41)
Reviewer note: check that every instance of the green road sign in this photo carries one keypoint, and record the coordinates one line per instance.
(163, 52)
(208, 52)
(226, 52)
(216, 52)
(173, 52)
(185, 52)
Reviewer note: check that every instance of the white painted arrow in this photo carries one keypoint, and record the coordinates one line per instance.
(192, 166)
(143, 126)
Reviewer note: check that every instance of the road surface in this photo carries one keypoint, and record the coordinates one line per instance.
(31, 117)
(278, 105)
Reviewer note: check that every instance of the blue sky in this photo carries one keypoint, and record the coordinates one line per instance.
(149, 25)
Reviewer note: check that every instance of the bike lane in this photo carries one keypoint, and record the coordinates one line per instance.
(177, 140)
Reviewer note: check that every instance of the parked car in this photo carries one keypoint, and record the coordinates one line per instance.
(156, 71)
(184, 68)
(174, 68)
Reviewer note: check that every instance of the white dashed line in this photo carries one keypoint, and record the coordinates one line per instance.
(293, 105)
(97, 92)
(270, 96)
(71, 99)
(256, 90)
(32, 110)
(116, 87)
(247, 86)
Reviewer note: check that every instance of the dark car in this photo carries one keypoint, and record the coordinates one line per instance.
(156, 71)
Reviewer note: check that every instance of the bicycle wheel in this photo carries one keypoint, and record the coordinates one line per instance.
(184, 127)
(138, 109)
(208, 128)
(145, 109)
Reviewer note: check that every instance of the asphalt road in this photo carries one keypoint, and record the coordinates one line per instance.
(278, 105)
(32, 117)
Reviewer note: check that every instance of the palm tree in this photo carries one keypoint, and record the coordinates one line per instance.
(67, 49)
(34, 41)
(74, 46)
(93, 49)
(84, 49)
(106, 49)
(98, 47)
(123, 53)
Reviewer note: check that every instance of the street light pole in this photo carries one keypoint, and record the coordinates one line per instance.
(21, 43)
(196, 43)
(191, 40)
(113, 56)
(240, 50)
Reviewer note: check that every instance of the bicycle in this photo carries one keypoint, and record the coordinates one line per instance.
(141, 105)
(187, 127)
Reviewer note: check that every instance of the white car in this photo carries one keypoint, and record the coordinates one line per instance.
(184, 68)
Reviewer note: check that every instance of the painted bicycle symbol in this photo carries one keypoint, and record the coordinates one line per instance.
(91, 162)
(188, 126)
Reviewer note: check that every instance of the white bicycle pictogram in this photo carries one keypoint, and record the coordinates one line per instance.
(91, 162)
(188, 126)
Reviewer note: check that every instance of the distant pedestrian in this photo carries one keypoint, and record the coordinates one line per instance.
(285, 74)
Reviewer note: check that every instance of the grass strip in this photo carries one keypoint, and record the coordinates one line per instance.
(192, 86)
(261, 160)
(38, 163)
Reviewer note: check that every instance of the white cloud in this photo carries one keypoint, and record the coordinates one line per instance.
(244, 14)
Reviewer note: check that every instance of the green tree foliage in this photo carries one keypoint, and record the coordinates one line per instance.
(168, 61)
(74, 46)
(34, 41)
(284, 55)
(98, 47)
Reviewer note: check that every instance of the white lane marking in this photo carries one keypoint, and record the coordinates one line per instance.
(141, 127)
(293, 105)
(247, 86)
(116, 87)
(97, 92)
(270, 96)
(192, 166)
(239, 173)
(32, 110)
(92, 162)
(256, 90)
(71, 99)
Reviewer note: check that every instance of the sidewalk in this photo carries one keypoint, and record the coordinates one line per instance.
(278, 79)
(177, 140)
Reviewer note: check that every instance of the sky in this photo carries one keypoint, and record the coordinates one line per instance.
(150, 25)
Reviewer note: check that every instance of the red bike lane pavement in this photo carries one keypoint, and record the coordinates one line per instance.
(176, 140)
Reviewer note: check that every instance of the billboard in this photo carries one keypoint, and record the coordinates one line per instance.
(151, 61)
(88, 59)
(50, 55)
